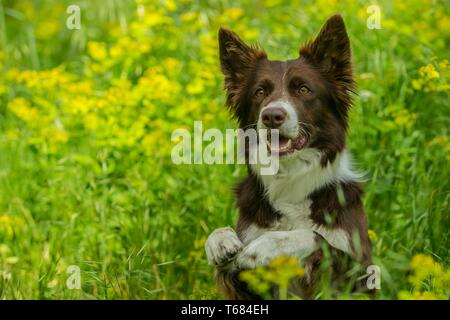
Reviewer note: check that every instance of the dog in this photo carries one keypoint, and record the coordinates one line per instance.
(314, 201)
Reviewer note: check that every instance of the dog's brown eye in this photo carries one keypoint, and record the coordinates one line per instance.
(303, 90)
(259, 93)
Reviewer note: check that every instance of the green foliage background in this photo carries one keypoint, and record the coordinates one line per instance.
(86, 118)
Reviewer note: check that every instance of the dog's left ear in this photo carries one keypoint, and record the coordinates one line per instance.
(330, 51)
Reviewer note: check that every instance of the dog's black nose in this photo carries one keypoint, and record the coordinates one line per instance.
(273, 117)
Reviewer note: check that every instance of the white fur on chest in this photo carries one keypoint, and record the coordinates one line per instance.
(298, 176)
(294, 216)
(302, 173)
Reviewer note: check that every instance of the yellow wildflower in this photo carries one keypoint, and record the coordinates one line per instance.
(22, 109)
(97, 50)
(233, 13)
(426, 295)
(91, 121)
(189, 16)
(170, 5)
(155, 18)
(195, 87)
(9, 224)
(279, 272)
(372, 235)
(428, 71)
(444, 65)
(60, 136)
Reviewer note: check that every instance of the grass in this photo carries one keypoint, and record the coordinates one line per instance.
(85, 172)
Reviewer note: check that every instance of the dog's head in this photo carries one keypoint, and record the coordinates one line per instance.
(307, 99)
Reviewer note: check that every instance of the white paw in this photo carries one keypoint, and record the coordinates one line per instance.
(261, 251)
(222, 246)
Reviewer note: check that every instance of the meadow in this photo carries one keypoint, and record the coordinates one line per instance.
(86, 117)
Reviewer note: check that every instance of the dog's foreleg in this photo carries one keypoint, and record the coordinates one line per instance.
(222, 246)
(299, 243)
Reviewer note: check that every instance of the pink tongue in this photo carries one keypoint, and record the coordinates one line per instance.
(298, 143)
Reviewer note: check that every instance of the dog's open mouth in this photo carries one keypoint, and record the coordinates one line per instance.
(285, 145)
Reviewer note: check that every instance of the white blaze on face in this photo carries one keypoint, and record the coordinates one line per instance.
(289, 128)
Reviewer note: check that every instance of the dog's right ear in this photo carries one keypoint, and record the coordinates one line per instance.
(236, 60)
(236, 57)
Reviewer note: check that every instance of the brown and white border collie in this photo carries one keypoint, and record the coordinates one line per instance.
(315, 199)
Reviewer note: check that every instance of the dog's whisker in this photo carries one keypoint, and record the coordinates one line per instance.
(249, 126)
(303, 130)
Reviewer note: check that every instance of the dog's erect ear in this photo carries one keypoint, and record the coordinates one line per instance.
(237, 59)
(330, 51)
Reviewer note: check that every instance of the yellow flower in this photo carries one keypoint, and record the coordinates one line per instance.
(195, 87)
(97, 50)
(79, 104)
(422, 261)
(444, 24)
(170, 5)
(432, 79)
(117, 51)
(403, 118)
(233, 13)
(157, 86)
(84, 87)
(279, 272)
(91, 121)
(60, 136)
(444, 64)
(372, 235)
(428, 71)
(9, 224)
(189, 16)
(426, 295)
(171, 63)
(426, 270)
(250, 34)
(22, 109)
(153, 19)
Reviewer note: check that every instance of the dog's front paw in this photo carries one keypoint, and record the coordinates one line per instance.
(261, 251)
(258, 253)
(222, 246)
